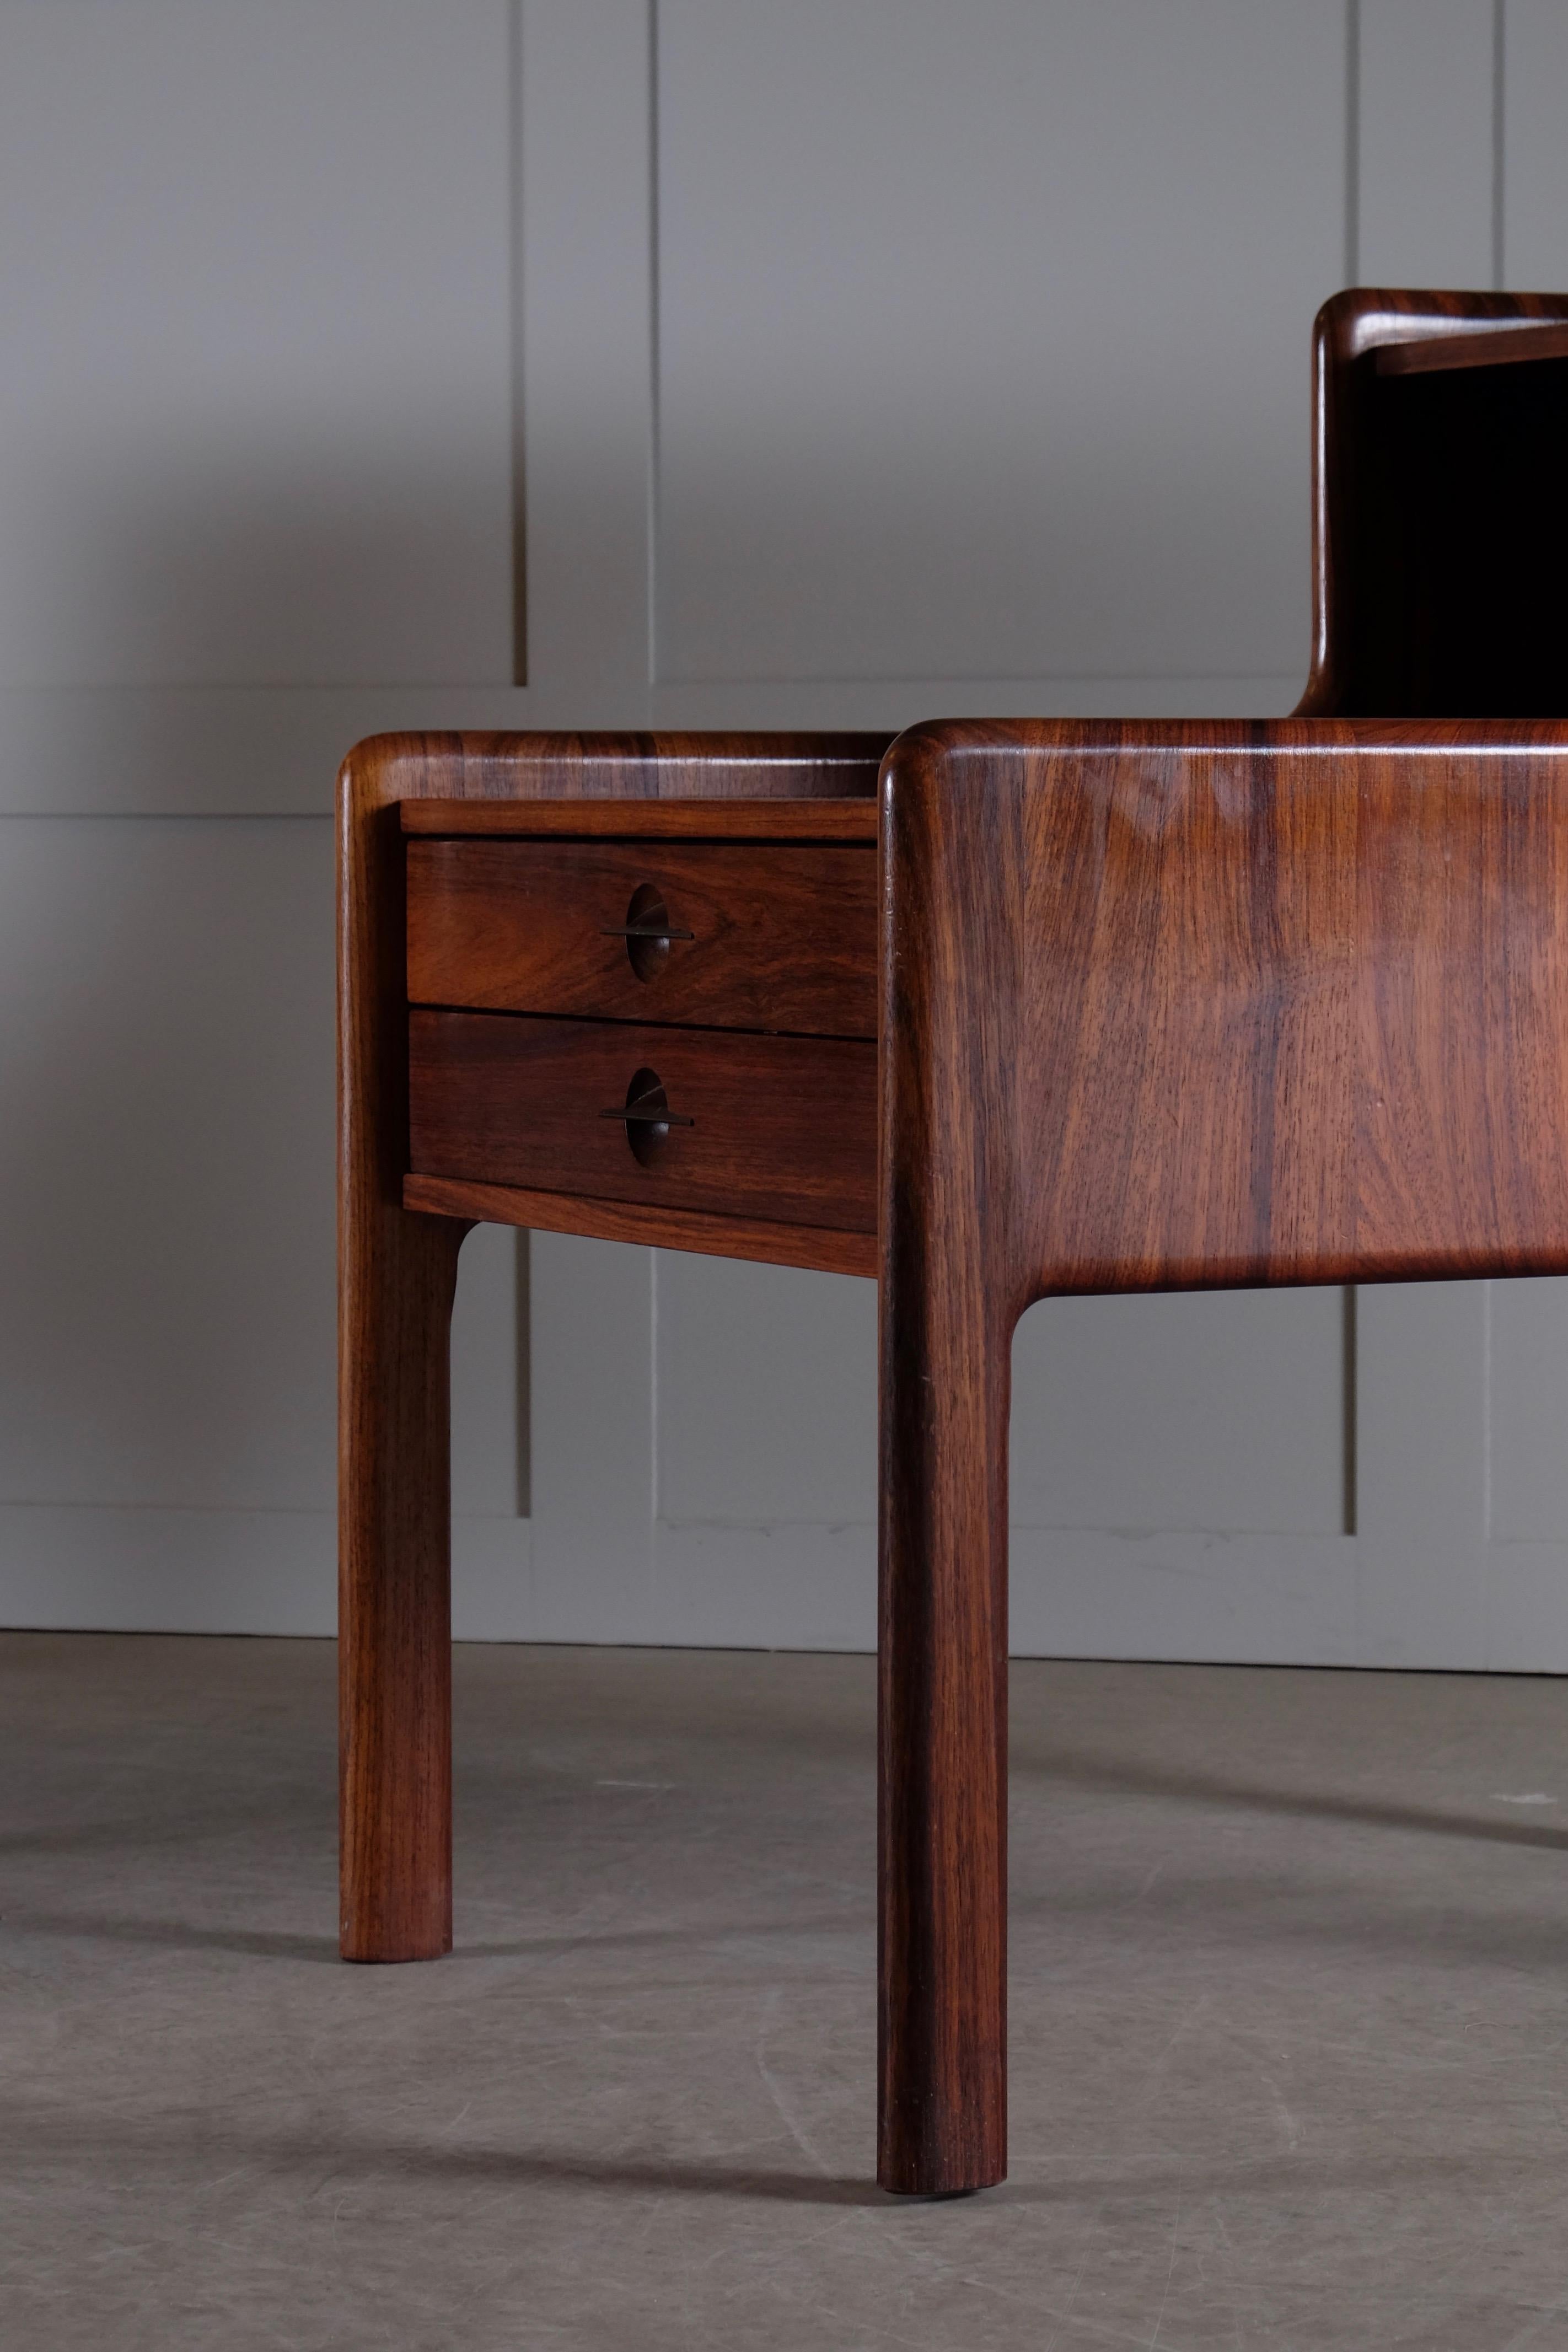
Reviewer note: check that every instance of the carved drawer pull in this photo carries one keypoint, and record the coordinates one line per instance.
(642, 931)
(647, 932)
(634, 1115)
(647, 1117)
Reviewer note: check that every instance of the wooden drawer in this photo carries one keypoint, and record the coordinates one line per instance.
(775, 937)
(777, 1127)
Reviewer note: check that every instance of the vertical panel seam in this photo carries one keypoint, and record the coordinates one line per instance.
(653, 344)
(1500, 88)
(653, 1430)
(1353, 142)
(1349, 1434)
(522, 1351)
(515, 295)
(1487, 1291)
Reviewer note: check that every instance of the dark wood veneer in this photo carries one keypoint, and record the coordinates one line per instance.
(1280, 1002)
(692, 820)
(398, 1268)
(1440, 497)
(816, 1247)
(777, 937)
(631, 769)
(1505, 345)
(782, 1129)
(1162, 1005)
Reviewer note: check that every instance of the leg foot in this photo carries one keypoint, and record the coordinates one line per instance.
(943, 1729)
(394, 1637)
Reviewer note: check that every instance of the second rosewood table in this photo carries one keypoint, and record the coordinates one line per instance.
(992, 1012)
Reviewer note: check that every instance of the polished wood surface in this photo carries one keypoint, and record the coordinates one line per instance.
(1440, 497)
(782, 1129)
(775, 937)
(945, 1322)
(396, 1274)
(815, 1247)
(397, 1268)
(1279, 1002)
(1507, 343)
(628, 768)
(689, 820)
(1162, 1005)
(1169, 1006)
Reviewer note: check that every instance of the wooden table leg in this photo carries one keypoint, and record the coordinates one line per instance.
(942, 1740)
(949, 1298)
(395, 1639)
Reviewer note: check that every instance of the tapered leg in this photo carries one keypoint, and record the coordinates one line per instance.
(395, 1588)
(396, 1274)
(950, 1291)
(943, 1731)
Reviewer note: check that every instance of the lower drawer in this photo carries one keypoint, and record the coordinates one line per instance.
(776, 1127)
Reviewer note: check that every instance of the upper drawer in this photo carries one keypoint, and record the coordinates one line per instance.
(756, 938)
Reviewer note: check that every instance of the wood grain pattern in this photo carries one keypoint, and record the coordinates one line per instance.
(396, 1272)
(946, 1318)
(1294, 995)
(815, 1247)
(777, 938)
(396, 1276)
(628, 768)
(690, 820)
(1164, 1006)
(781, 1129)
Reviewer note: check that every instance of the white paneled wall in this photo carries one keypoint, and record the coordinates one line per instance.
(596, 363)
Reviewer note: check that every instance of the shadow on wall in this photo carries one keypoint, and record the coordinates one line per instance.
(212, 555)
(167, 984)
(167, 1154)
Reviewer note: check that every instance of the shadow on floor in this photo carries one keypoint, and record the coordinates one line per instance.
(1097, 2181)
(1199, 1789)
(264, 1944)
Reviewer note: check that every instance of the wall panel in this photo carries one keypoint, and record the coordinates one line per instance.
(982, 330)
(166, 1153)
(1529, 1382)
(1427, 159)
(1535, 168)
(767, 1385)
(1182, 1414)
(257, 425)
(259, 429)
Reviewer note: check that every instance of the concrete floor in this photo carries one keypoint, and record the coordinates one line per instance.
(1290, 2068)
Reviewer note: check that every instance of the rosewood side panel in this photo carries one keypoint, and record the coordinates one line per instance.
(1164, 1007)
(397, 1268)
(1280, 1002)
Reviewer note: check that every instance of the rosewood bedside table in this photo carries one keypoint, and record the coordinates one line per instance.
(1159, 1006)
